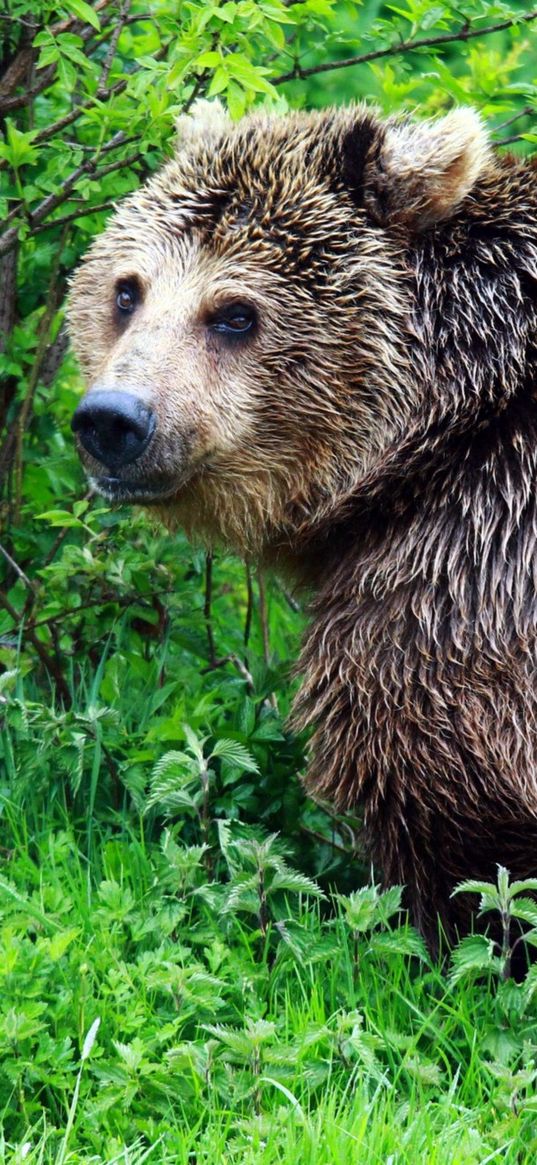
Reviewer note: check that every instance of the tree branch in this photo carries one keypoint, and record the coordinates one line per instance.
(26, 58)
(53, 201)
(528, 109)
(405, 46)
(67, 218)
(111, 51)
(11, 451)
(516, 137)
(102, 93)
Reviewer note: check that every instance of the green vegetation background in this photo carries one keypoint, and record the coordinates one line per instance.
(176, 984)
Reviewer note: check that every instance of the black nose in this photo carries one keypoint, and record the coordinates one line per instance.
(115, 427)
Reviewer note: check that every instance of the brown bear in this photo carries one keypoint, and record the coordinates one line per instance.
(314, 339)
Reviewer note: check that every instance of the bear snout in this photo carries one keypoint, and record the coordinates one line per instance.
(113, 427)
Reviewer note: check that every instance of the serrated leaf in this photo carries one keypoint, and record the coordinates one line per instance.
(8, 679)
(423, 1070)
(522, 886)
(174, 762)
(295, 882)
(169, 797)
(195, 742)
(526, 909)
(389, 902)
(473, 887)
(236, 754)
(401, 942)
(474, 953)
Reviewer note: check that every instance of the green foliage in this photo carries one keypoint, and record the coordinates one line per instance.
(145, 1003)
(178, 981)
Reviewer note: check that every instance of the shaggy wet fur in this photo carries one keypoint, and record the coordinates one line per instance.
(377, 438)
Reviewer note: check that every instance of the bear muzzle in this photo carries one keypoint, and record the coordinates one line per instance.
(115, 428)
(115, 432)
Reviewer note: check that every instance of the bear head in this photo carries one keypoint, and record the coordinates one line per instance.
(244, 322)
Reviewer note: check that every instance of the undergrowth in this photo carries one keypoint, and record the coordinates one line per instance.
(176, 984)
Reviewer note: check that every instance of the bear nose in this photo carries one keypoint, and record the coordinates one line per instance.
(114, 427)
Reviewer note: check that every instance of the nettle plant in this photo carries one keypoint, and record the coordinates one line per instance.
(517, 914)
(256, 877)
(506, 961)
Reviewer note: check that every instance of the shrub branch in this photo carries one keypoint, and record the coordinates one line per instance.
(466, 32)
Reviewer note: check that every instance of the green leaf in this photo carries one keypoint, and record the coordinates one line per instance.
(235, 754)
(250, 76)
(526, 909)
(524, 885)
(473, 887)
(400, 941)
(220, 81)
(84, 12)
(296, 883)
(208, 60)
(236, 100)
(18, 148)
(475, 953)
(60, 518)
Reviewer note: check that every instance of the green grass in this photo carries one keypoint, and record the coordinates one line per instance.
(251, 998)
(305, 1039)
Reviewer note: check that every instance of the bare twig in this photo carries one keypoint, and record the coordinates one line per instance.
(207, 612)
(405, 46)
(111, 51)
(49, 662)
(56, 127)
(249, 605)
(88, 167)
(114, 90)
(516, 137)
(8, 301)
(516, 117)
(8, 291)
(289, 598)
(54, 356)
(18, 570)
(263, 617)
(331, 841)
(66, 218)
(124, 601)
(198, 88)
(238, 663)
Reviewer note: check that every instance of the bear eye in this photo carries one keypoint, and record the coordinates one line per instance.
(127, 296)
(234, 320)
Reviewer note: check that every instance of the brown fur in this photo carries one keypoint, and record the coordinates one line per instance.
(377, 436)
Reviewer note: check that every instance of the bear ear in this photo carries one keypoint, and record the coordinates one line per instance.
(418, 173)
(206, 122)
